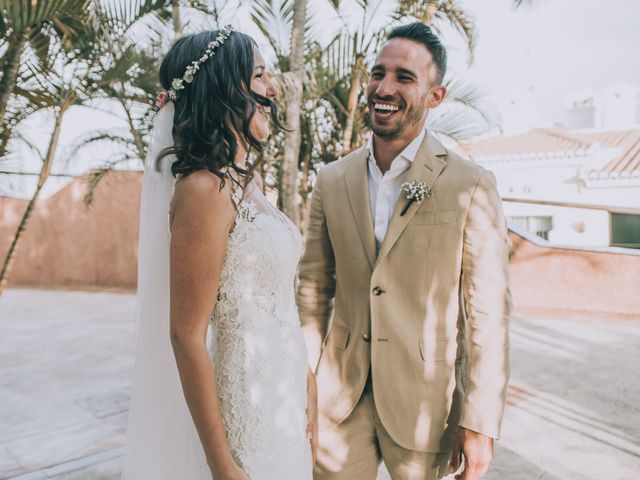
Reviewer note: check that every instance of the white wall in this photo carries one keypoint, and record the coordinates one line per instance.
(559, 180)
(562, 179)
(571, 226)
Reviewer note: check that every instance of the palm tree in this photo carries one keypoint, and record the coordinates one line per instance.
(335, 76)
(163, 22)
(32, 22)
(103, 64)
(351, 50)
(284, 25)
(74, 22)
(293, 99)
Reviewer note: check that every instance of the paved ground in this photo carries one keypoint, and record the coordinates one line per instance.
(66, 359)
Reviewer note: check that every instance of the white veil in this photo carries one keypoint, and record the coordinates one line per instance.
(162, 442)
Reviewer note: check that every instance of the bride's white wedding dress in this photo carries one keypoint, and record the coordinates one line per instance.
(255, 343)
(257, 347)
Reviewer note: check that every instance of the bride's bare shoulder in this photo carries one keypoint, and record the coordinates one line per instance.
(203, 186)
(202, 196)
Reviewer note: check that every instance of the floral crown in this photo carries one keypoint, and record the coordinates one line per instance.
(179, 83)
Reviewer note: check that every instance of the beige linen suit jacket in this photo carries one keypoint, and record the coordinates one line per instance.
(428, 314)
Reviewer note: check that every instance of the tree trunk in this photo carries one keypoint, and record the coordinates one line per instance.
(432, 8)
(177, 22)
(293, 100)
(44, 174)
(5, 136)
(305, 191)
(352, 103)
(9, 75)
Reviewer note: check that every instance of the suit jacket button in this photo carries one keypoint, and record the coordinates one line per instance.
(377, 291)
(366, 337)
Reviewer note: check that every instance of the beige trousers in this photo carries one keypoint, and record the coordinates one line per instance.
(354, 449)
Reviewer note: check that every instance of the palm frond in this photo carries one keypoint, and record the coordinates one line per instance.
(451, 12)
(464, 114)
(19, 15)
(119, 16)
(447, 11)
(93, 179)
(20, 138)
(41, 44)
(275, 20)
(96, 175)
(41, 98)
(114, 141)
(472, 98)
(523, 3)
(216, 10)
(454, 123)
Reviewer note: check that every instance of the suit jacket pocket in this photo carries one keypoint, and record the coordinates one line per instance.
(435, 218)
(339, 336)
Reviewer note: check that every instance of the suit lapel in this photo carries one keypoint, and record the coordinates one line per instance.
(426, 167)
(357, 181)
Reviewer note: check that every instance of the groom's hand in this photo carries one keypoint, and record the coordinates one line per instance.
(312, 414)
(477, 450)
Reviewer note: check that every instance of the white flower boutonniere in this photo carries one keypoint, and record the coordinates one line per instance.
(416, 191)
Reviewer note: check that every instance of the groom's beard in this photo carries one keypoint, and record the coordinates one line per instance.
(386, 133)
(412, 116)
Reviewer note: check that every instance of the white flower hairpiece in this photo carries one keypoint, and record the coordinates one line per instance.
(416, 191)
(179, 83)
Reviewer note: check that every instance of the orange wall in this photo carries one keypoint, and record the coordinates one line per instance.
(69, 245)
(546, 278)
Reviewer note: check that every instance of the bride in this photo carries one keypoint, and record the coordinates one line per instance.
(221, 386)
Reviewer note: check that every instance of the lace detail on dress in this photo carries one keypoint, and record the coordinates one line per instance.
(247, 209)
(257, 347)
(231, 353)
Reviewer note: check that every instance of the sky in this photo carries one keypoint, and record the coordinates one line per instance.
(527, 61)
(532, 58)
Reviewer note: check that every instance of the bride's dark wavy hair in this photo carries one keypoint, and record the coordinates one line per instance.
(218, 102)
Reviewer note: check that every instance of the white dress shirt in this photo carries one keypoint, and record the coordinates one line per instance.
(384, 190)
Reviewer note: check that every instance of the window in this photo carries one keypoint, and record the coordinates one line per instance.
(625, 230)
(540, 226)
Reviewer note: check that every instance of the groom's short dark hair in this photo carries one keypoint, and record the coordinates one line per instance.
(421, 33)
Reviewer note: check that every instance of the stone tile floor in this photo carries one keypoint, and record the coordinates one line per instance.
(65, 373)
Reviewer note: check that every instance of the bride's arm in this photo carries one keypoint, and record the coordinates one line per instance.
(201, 218)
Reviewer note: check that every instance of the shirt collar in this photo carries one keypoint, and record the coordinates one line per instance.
(410, 151)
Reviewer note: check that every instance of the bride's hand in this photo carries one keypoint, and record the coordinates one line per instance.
(312, 414)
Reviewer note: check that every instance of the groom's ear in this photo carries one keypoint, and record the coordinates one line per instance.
(436, 96)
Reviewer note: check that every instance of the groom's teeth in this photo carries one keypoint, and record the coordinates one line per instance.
(388, 108)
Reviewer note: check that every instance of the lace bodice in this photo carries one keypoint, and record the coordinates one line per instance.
(262, 256)
(256, 342)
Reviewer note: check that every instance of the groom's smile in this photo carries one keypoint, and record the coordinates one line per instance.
(401, 89)
(384, 110)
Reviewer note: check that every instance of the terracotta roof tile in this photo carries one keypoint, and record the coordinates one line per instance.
(553, 140)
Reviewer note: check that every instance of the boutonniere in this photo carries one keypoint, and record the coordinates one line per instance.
(415, 191)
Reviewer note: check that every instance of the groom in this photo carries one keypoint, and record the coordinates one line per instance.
(405, 302)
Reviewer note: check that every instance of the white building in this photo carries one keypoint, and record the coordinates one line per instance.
(615, 107)
(577, 187)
